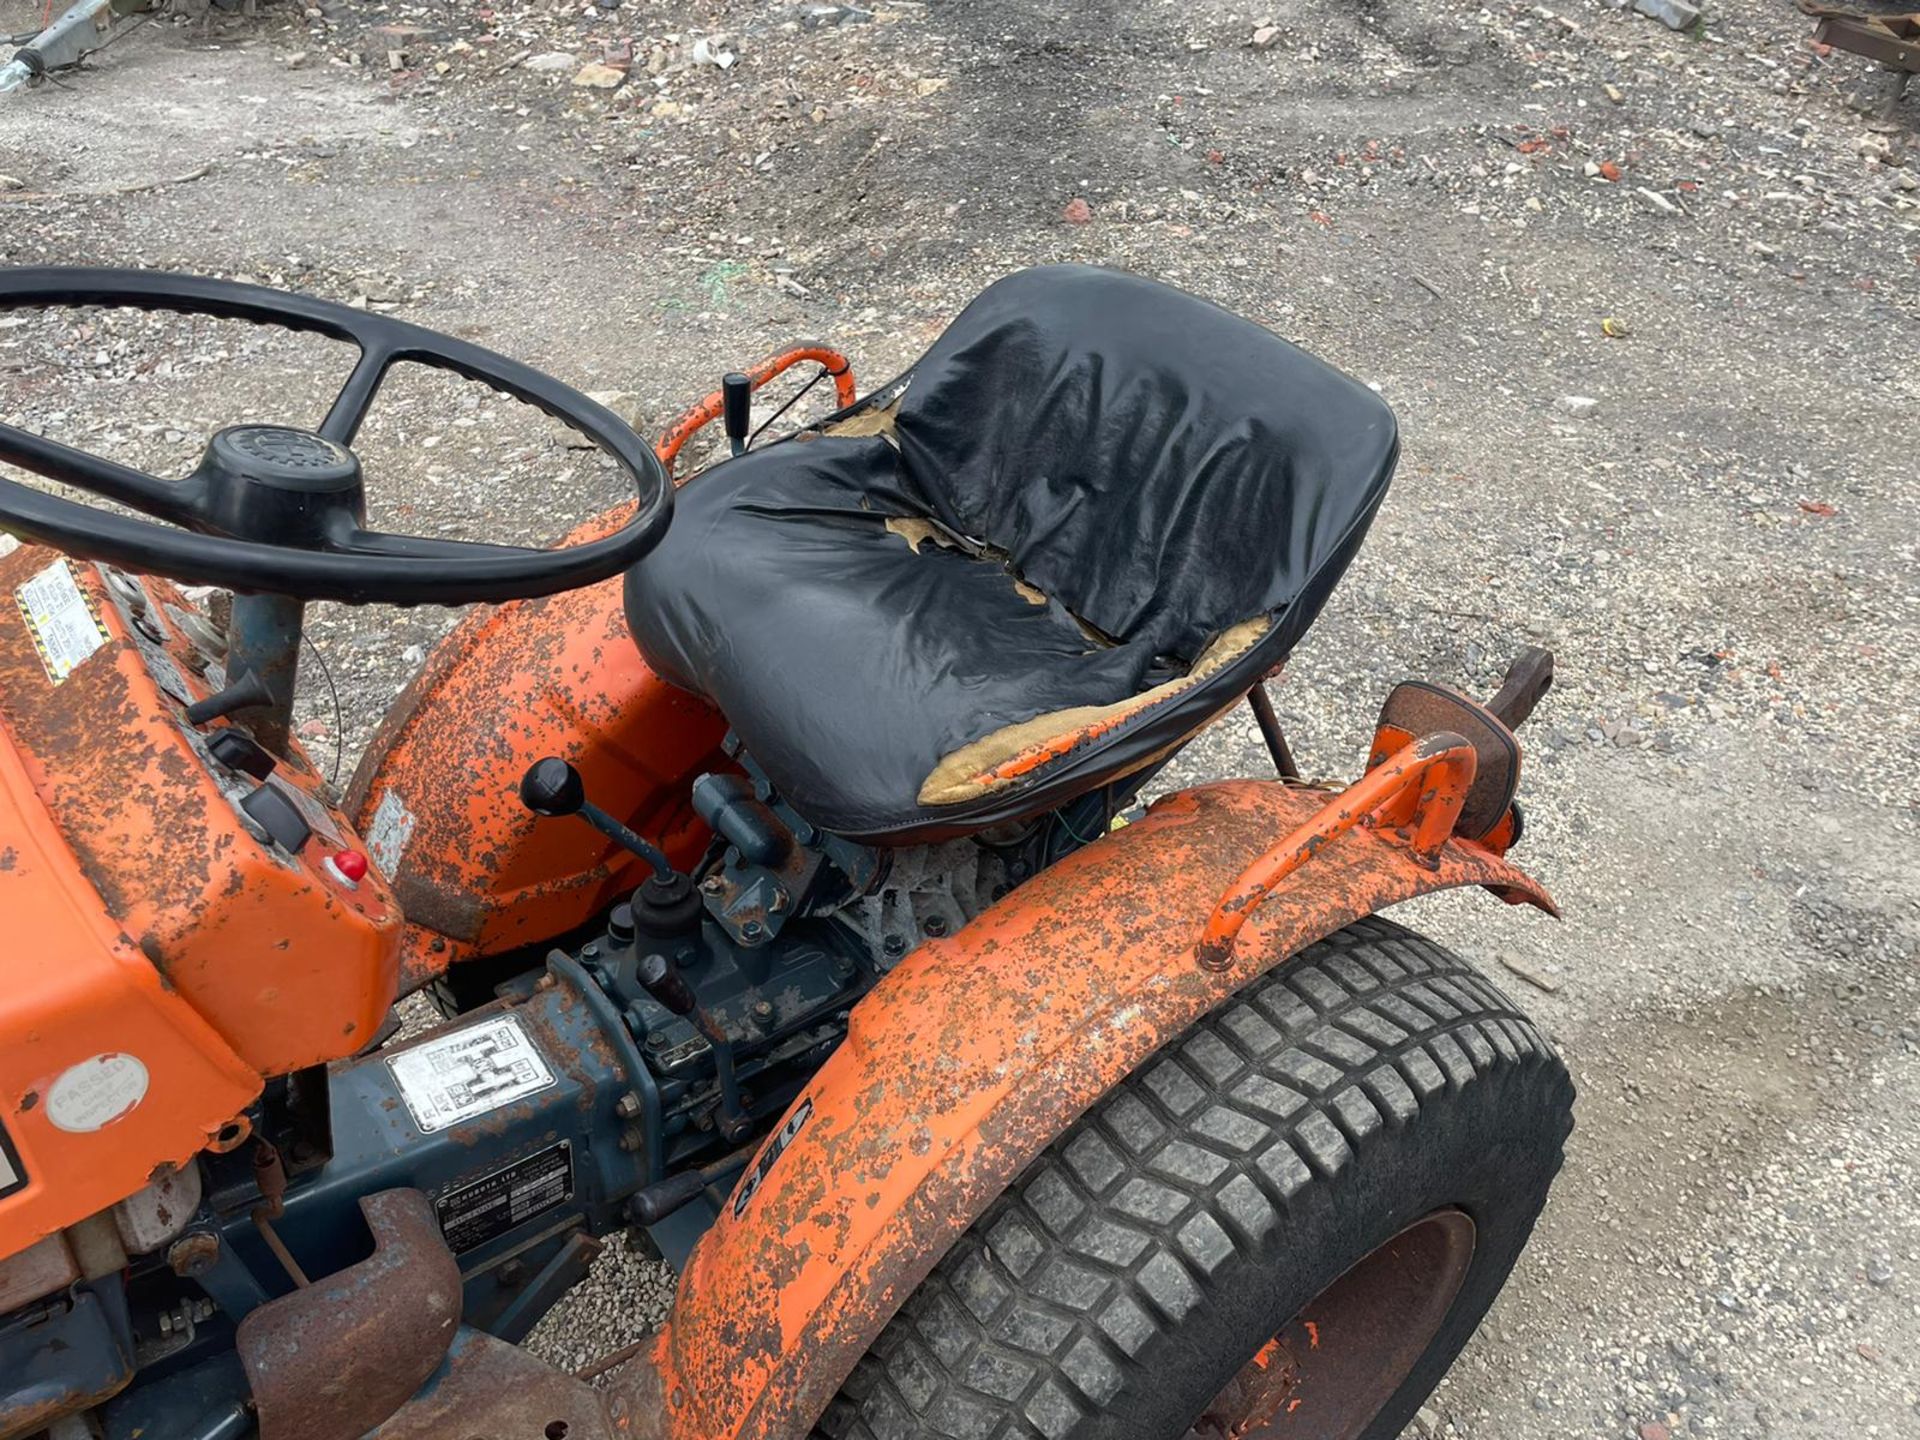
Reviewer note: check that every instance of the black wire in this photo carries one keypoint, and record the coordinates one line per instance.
(791, 402)
(339, 737)
(120, 35)
(1059, 818)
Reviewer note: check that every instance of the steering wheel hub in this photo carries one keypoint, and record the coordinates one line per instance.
(280, 454)
(280, 485)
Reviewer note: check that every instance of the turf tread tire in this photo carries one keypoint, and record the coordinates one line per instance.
(1056, 1315)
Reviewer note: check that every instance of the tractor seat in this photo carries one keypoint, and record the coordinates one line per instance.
(1083, 525)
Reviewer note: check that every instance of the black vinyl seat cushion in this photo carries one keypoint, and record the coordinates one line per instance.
(1094, 513)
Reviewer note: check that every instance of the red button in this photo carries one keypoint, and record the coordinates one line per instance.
(352, 865)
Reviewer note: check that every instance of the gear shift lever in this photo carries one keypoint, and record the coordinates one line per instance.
(553, 787)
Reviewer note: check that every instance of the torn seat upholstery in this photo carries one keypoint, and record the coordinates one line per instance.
(1093, 514)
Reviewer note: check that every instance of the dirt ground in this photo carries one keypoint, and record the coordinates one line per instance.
(1710, 517)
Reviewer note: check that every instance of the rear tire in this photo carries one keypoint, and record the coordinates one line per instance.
(1160, 1262)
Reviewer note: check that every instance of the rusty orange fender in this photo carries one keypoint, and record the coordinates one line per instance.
(971, 1056)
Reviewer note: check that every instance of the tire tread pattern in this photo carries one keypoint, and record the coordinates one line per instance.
(1027, 1327)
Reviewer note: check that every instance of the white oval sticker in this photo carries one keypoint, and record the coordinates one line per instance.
(95, 1093)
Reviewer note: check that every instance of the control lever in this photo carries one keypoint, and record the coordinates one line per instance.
(553, 787)
(661, 979)
(663, 1197)
(736, 408)
(243, 694)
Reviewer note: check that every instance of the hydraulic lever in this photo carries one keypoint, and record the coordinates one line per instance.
(661, 979)
(736, 409)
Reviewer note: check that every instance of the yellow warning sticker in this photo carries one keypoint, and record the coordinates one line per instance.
(64, 627)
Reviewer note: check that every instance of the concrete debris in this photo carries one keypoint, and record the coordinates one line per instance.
(708, 52)
(595, 76)
(1674, 14)
(1527, 971)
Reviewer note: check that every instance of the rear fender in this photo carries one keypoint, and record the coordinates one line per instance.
(972, 1055)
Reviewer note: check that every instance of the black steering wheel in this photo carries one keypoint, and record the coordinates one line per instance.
(273, 509)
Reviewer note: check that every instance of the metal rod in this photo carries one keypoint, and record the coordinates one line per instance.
(1269, 724)
(264, 1225)
(263, 640)
(626, 836)
(734, 1120)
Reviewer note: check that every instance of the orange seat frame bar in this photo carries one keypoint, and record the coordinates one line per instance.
(709, 409)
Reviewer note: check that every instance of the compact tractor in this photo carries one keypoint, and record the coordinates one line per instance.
(781, 878)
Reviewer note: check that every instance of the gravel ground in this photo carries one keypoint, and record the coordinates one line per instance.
(1644, 301)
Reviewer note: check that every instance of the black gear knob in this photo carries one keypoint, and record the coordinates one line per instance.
(736, 408)
(661, 979)
(552, 787)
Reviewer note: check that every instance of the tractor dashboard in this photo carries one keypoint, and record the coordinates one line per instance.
(191, 914)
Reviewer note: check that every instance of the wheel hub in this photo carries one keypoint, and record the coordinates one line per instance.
(1333, 1367)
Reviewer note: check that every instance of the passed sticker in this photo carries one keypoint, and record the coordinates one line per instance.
(468, 1073)
(93, 1094)
(9, 543)
(65, 629)
(389, 833)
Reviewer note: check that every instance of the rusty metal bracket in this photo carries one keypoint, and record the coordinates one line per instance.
(1414, 796)
(335, 1359)
(490, 1390)
(1893, 40)
(1527, 681)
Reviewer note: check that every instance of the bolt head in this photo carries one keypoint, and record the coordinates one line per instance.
(193, 1255)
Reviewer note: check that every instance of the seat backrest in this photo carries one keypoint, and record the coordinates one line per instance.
(1163, 468)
